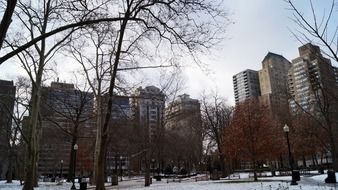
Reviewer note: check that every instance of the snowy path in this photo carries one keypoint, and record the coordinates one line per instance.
(269, 183)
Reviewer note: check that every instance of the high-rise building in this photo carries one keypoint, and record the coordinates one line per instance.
(335, 71)
(310, 75)
(148, 104)
(246, 85)
(183, 119)
(66, 114)
(7, 99)
(273, 83)
(119, 131)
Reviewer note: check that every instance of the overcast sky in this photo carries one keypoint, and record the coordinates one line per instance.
(259, 26)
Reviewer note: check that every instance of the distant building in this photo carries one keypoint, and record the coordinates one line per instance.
(311, 72)
(7, 99)
(121, 108)
(148, 109)
(273, 83)
(117, 156)
(62, 108)
(246, 85)
(335, 71)
(183, 120)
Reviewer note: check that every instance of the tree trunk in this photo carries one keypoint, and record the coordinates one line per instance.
(304, 162)
(223, 168)
(147, 169)
(255, 170)
(102, 130)
(6, 20)
(31, 157)
(33, 130)
(9, 176)
(100, 167)
(333, 150)
(98, 137)
(72, 155)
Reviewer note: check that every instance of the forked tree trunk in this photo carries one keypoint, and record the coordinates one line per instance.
(31, 157)
(33, 133)
(102, 130)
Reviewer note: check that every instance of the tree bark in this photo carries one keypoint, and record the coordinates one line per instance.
(147, 169)
(72, 156)
(98, 138)
(31, 158)
(6, 20)
(9, 176)
(33, 133)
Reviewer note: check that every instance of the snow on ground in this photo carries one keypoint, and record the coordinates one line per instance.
(267, 183)
(42, 186)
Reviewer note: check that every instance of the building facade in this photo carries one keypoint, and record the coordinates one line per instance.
(273, 84)
(67, 118)
(246, 85)
(7, 99)
(310, 76)
(183, 121)
(148, 109)
(117, 158)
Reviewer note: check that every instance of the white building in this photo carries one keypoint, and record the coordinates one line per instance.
(148, 104)
(246, 85)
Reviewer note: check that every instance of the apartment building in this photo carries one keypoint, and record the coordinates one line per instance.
(246, 85)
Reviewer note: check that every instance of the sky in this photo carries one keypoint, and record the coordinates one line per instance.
(259, 27)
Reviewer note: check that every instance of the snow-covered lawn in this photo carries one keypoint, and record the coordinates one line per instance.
(267, 183)
(42, 186)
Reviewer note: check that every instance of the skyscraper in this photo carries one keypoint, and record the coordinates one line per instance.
(310, 75)
(183, 120)
(148, 108)
(7, 99)
(67, 117)
(246, 85)
(273, 83)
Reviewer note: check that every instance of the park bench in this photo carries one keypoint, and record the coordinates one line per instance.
(201, 178)
(234, 176)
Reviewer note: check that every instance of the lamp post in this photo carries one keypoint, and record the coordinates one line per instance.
(74, 163)
(61, 164)
(121, 166)
(286, 130)
(153, 166)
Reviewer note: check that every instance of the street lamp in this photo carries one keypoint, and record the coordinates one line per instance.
(153, 166)
(121, 166)
(74, 164)
(61, 164)
(286, 130)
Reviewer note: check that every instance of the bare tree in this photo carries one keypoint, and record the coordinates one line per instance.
(216, 118)
(69, 113)
(81, 13)
(97, 68)
(319, 27)
(17, 137)
(155, 24)
(34, 61)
